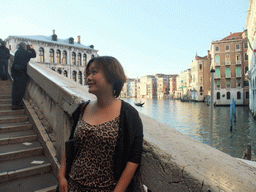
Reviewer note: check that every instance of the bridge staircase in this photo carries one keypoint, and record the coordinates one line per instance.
(23, 164)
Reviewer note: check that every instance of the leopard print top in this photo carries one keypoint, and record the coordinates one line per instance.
(93, 166)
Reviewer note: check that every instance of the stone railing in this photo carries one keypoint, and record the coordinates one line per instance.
(171, 161)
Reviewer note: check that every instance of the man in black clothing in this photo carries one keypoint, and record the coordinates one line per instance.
(19, 73)
(4, 56)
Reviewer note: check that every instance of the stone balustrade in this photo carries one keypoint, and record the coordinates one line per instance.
(171, 161)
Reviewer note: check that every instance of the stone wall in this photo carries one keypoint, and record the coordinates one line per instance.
(171, 161)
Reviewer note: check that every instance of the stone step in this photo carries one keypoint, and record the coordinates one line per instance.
(17, 137)
(5, 101)
(20, 150)
(48, 189)
(30, 184)
(9, 112)
(5, 106)
(12, 127)
(23, 168)
(13, 119)
(6, 96)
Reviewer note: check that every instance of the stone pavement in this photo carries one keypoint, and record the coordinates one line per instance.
(23, 165)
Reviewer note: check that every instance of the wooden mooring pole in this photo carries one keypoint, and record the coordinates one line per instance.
(248, 153)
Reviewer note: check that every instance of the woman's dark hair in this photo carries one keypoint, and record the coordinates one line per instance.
(21, 45)
(112, 69)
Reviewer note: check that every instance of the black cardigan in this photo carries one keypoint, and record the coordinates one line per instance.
(129, 140)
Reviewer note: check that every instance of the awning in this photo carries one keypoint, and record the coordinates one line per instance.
(182, 87)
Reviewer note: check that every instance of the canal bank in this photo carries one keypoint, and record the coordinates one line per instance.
(193, 119)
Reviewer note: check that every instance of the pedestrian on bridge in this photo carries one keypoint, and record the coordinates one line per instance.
(19, 73)
(4, 56)
(108, 135)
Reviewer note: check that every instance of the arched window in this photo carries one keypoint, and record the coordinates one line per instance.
(228, 95)
(227, 59)
(65, 73)
(84, 59)
(74, 75)
(238, 95)
(218, 95)
(79, 59)
(238, 59)
(246, 69)
(51, 56)
(80, 77)
(73, 58)
(59, 71)
(58, 56)
(41, 54)
(64, 59)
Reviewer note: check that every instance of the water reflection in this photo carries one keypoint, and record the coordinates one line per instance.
(193, 119)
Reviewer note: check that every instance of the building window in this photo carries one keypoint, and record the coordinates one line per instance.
(227, 59)
(41, 55)
(246, 83)
(200, 67)
(80, 77)
(245, 45)
(238, 59)
(227, 47)
(247, 95)
(64, 59)
(217, 73)
(65, 73)
(238, 95)
(238, 47)
(228, 84)
(51, 56)
(79, 59)
(217, 48)
(92, 56)
(74, 75)
(228, 72)
(245, 57)
(218, 84)
(238, 71)
(238, 83)
(201, 89)
(218, 95)
(59, 71)
(217, 59)
(245, 69)
(228, 95)
(84, 59)
(73, 58)
(58, 56)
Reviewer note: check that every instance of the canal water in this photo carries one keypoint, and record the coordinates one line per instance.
(193, 119)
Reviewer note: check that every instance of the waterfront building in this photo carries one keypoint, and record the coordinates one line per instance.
(129, 89)
(251, 74)
(173, 86)
(163, 84)
(230, 61)
(183, 81)
(148, 86)
(64, 56)
(200, 74)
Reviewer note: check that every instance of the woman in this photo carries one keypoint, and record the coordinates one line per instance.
(108, 135)
(19, 73)
(4, 56)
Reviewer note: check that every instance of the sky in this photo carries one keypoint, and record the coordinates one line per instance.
(148, 37)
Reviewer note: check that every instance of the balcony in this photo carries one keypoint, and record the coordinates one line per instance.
(216, 76)
(238, 75)
(238, 62)
(217, 64)
(228, 76)
(227, 63)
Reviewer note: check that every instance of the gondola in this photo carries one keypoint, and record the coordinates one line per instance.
(139, 104)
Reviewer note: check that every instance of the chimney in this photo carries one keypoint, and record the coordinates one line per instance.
(208, 54)
(230, 33)
(79, 39)
(53, 31)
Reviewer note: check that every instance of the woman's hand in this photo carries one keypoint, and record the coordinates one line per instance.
(63, 184)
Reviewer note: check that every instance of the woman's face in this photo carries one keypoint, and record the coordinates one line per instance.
(96, 80)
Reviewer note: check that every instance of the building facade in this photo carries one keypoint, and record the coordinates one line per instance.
(65, 56)
(129, 89)
(251, 74)
(173, 86)
(200, 74)
(230, 61)
(183, 81)
(148, 87)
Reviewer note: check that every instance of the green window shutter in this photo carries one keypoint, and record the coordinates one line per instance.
(228, 82)
(218, 82)
(228, 71)
(238, 70)
(217, 71)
